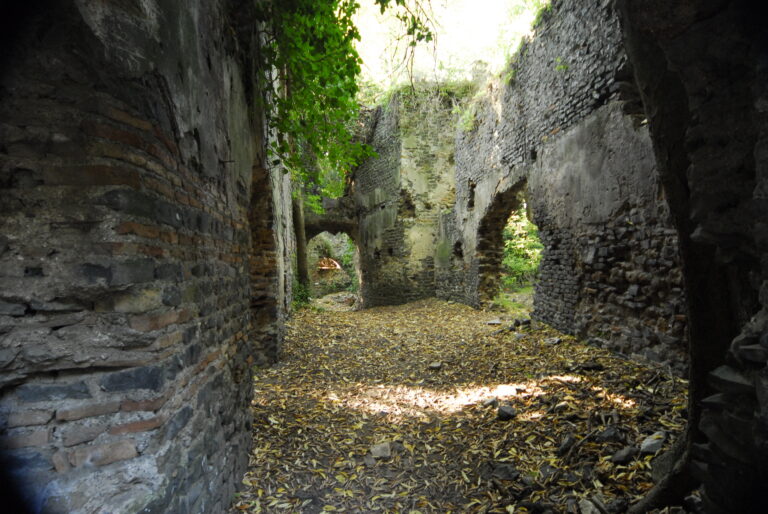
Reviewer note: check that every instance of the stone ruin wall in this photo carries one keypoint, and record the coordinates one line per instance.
(565, 131)
(399, 197)
(142, 255)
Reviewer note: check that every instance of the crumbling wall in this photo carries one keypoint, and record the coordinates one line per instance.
(400, 195)
(701, 70)
(141, 257)
(562, 129)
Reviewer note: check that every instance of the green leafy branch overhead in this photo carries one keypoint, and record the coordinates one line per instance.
(309, 68)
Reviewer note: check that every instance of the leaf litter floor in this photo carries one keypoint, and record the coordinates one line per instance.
(396, 409)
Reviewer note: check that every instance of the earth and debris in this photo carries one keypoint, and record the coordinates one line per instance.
(426, 407)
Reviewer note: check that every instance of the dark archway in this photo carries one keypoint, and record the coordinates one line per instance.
(490, 239)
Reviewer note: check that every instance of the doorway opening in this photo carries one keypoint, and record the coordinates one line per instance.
(520, 262)
(334, 268)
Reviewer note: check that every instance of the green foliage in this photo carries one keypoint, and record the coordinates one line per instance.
(310, 46)
(414, 18)
(308, 69)
(347, 262)
(427, 97)
(301, 295)
(324, 248)
(522, 251)
(504, 301)
(542, 7)
(348, 257)
(560, 64)
(467, 116)
(510, 75)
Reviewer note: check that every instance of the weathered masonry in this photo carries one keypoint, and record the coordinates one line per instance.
(399, 196)
(565, 130)
(142, 254)
(143, 241)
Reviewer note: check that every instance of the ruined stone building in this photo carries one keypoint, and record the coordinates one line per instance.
(145, 243)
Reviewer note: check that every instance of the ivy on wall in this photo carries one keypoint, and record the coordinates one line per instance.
(308, 72)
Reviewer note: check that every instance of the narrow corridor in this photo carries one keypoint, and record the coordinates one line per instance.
(436, 407)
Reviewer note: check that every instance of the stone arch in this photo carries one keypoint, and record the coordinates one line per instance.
(490, 243)
(340, 277)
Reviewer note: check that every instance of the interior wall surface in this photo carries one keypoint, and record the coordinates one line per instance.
(701, 69)
(564, 129)
(142, 254)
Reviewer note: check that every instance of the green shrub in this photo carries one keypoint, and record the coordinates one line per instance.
(301, 295)
(522, 251)
(348, 263)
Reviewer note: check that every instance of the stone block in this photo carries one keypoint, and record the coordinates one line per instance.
(95, 273)
(132, 302)
(26, 438)
(12, 309)
(52, 392)
(139, 229)
(168, 340)
(138, 426)
(178, 422)
(169, 271)
(728, 380)
(152, 405)
(87, 411)
(149, 377)
(60, 461)
(135, 271)
(130, 202)
(172, 296)
(101, 455)
(77, 434)
(150, 322)
(92, 175)
(170, 214)
(29, 418)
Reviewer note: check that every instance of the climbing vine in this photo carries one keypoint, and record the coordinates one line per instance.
(309, 68)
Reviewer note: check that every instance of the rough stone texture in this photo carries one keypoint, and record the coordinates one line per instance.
(701, 69)
(399, 196)
(142, 256)
(565, 134)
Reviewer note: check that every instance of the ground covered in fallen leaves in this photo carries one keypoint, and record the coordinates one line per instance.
(397, 409)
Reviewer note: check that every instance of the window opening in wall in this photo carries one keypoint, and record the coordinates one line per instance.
(520, 261)
(333, 268)
(458, 250)
(471, 201)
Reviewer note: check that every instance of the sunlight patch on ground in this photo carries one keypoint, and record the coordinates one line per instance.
(354, 381)
(399, 402)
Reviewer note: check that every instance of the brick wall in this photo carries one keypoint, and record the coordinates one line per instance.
(565, 122)
(141, 258)
(401, 193)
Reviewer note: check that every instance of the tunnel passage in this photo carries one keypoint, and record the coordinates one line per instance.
(126, 233)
